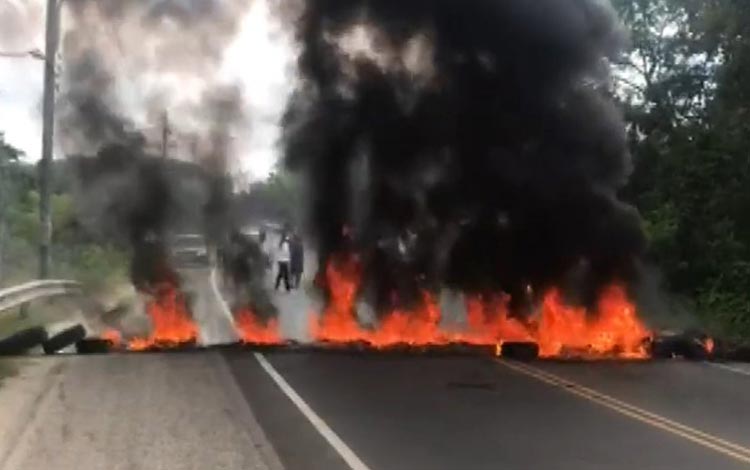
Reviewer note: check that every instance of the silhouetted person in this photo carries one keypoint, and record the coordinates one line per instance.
(283, 259)
(262, 242)
(297, 260)
(240, 260)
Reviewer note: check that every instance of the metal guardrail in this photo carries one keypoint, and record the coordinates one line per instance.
(17, 296)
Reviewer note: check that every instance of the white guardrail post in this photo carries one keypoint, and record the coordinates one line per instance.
(17, 296)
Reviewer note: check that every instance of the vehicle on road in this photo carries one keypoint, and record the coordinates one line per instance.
(189, 249)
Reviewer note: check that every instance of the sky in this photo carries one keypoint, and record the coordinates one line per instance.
(267, 83)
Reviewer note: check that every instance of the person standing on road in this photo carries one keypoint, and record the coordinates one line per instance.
(297, 260)
(283, 258)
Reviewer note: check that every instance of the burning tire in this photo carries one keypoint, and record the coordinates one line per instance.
(23, 341)
(64, 339)
(684, 345)
(94, 346)
(520, 351)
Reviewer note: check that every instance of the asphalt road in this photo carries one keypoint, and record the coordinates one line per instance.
(210, 309)
(335, 411)
(359, 412)
(238, 410)
(478, 413)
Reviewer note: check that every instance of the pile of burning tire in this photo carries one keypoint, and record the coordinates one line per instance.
(688, 345)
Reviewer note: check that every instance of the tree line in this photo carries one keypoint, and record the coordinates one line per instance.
(685, 88)
(76, 253)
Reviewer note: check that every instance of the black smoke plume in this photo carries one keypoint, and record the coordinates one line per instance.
(472, 144)
(118, 102)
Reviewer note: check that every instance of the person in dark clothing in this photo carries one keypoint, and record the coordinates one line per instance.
(244, 264)
(239, 261)
(297, 265)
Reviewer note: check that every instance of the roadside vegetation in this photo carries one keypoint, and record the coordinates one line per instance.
(76, 255)
(280, 197)
(685, 88)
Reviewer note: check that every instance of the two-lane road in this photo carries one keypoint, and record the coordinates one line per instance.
(330, 411)
(334, 411)
(473, 413)
(359, 412)
(238, 410)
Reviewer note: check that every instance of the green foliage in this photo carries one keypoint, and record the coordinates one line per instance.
(279, 197)
(686, 92)
(74, 255)
(96, 265)
(8, 153)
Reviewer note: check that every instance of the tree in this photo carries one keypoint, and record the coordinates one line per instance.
(9, 157)
(665, 78)
(685, 91)
(279, 197)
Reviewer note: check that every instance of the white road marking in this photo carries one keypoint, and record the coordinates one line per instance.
(736, 370)
(242, 408)
(333, 439)
(222, 302)
(215, 323)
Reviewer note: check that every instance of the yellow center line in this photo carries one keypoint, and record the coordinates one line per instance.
(715, 443)
(559, 381)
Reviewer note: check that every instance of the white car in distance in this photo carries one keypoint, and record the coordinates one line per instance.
(189, 249)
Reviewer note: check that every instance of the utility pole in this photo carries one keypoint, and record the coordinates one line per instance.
(4, 203)
(48, 132)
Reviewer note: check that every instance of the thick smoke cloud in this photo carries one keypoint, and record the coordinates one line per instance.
(465, 143)
(127, 62)
(133, 69)
(22, 22)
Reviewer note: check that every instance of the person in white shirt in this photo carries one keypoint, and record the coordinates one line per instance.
(283, 258)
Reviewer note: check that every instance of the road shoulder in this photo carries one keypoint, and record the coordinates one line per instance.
(21, 394)
(245, 414)
(140, 411)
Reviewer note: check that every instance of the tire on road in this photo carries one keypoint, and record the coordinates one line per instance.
(684, 346)
(94, 346)
(64, 339)
(23, 341)
(520, 351)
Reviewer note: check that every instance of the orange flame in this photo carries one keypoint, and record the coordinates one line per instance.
(614, 330)
(171, 323)
(338, 322)
(253, 331)
(709, 345)
(113, 336)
